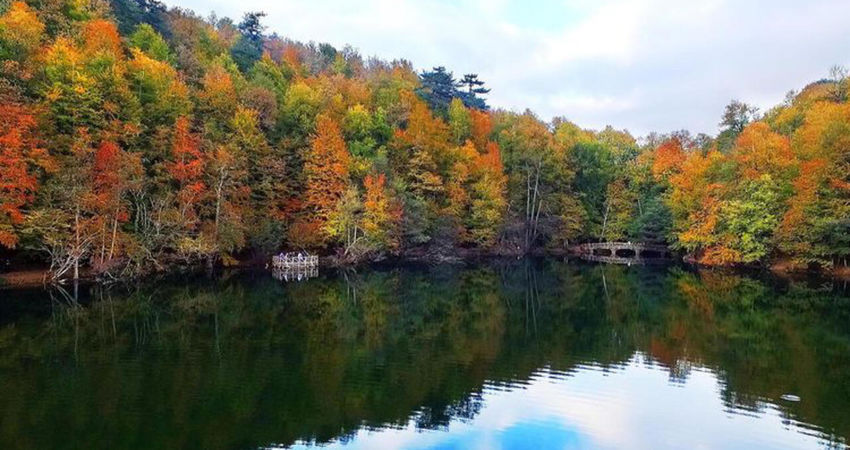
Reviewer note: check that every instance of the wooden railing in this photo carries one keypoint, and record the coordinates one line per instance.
(294, 260)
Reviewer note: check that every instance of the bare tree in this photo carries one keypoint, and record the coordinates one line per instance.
(839, 76)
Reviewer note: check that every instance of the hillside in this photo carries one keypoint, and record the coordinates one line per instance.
(136, 137)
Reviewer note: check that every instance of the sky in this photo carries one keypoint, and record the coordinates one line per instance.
(641, 65)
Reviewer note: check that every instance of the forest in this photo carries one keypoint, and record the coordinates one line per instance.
(136, 137)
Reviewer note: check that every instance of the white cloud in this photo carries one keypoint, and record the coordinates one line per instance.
(643, 65)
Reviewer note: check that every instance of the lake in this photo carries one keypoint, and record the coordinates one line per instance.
(495, 355)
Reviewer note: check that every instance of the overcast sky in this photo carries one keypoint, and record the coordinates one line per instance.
(643, 65)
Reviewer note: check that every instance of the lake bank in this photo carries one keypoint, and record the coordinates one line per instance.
(782, 268)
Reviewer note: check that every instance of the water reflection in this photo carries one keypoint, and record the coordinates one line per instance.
(503, 355)
(300, 273)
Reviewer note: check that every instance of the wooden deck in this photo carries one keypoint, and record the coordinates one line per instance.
(293, 260)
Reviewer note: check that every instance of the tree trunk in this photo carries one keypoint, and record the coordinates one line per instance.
(77, 244)
(218, 191)
(604, 221)
(527, 205)
(102, 242)
(114, 235)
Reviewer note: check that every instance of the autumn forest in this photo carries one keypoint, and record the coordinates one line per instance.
(134, 137)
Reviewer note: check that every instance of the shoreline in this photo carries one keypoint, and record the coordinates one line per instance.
(31, 278)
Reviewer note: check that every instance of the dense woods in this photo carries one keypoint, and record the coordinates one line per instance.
(134, 137)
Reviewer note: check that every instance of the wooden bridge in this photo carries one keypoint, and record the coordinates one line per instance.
(623, 252)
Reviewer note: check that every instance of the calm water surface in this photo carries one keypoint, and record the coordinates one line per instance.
(519, 355)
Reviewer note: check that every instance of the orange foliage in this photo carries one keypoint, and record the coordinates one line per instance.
(292, 58)
(21, 155)
(481, 127)
(491, 160)
(306, 233)
(758, 150)
(101, 36)
(326, 169)
(669, 158)
(702, 219)
(108, 185)
(381, 213)
(188, 163)
(692, 182)
(806, 186)
(719, 255)
(425, 133)
(187, 168)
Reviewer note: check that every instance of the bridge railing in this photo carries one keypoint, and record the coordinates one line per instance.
(614, 251)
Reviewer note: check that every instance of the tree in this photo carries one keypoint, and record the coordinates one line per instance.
(131, 13)
(668, 159)
(735, 117)
(460, 122)
(345, 222)
(62, 225)
(620, 206)
(70, 93)
(473, 84)
(21, 32)
(217, 102)
(249, 47)
(758, 150)
(163, 97)
(437, 89)
(814, 229)
(749, 222)
(226, 174)
(187, 169)
(146, 39)
(326, 169)
(594, 171)
(381, 215)
(473, 90)
(840, 78)
(536, 171)
(110, 175)
(488, 203)
(417, 154)
(694, 200)
(22, 161)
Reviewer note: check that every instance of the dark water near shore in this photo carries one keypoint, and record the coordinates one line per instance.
(511, 355)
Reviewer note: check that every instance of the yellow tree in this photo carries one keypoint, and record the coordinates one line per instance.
(326, 170)
(381, 213)
(21, 33)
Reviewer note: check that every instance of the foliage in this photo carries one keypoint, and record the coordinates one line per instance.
(141, 136)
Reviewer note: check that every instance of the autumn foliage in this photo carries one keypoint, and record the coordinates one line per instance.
(22, 158)
(129, 143)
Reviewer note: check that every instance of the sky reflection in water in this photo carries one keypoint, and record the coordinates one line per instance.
(634, 406)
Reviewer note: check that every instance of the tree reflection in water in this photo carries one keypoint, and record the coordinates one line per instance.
(247, 361)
